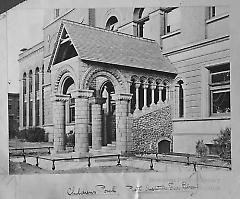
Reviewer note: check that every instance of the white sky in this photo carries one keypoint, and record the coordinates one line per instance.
(24, 29)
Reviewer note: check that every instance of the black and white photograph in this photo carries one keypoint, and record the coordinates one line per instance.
(121, 90)
(128, 101)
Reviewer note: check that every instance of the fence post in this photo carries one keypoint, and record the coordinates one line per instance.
(156, 157)
(89, 162)
(118, 160)
(23, 150)
(37, 161)
(151, 165)
(53, 165)
(195, 166)
(24, 158)
(49, 150)
(188, 160)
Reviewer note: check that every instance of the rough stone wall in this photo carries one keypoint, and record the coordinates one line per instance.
(148, 129)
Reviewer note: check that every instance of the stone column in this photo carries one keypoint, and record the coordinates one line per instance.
(160, 88)
(122, 112)
(97, 122)
(137, 85)
(167, 94)
(152, 87)
(59, 121)
(81, 120)
(145, 86)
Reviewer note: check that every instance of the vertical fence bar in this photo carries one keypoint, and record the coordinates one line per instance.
(49, 150)
(151, 165)
(37, 161)
(89, 161)
(188, 163)
(24, 158)
(53, 165)
(195, 166)
(118, 160)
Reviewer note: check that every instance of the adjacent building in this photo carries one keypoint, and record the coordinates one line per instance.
(13, 113)
(129, 79)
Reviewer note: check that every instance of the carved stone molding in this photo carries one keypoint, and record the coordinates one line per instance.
(82, 93)
(60, 98)
(122, 97)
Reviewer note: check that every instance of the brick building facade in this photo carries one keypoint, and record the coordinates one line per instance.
(134, 79)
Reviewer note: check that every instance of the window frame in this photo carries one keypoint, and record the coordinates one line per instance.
(219, 87)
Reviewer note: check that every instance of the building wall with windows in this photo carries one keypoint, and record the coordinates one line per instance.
(195, 39)
(13, 112)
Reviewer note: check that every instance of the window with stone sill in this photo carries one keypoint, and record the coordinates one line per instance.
(220, 90)
(72, 110)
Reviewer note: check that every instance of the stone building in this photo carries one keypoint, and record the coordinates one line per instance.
(13, 113)
(129, 79)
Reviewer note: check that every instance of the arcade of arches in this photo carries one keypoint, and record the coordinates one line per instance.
(100, 113)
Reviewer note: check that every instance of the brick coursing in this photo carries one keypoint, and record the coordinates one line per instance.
(148, 129)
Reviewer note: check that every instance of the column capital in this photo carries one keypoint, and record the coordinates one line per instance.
(137, 84)
(145, 85)
(153, 86)
(122, 97)
(60, 98)
(82, 93)
(98, 100)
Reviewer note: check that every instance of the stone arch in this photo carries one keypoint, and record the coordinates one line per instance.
(62, 74)
(164, 145)
(112, 75)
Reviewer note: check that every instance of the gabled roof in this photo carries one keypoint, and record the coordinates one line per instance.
(100, 45)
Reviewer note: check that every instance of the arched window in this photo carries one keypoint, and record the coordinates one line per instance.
(112, 23)
(37, 96)
(24, 100)
(181, 99)
(139, 22)
(68, 87)
(31, 99)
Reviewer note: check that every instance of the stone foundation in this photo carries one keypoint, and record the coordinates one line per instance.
(149, 129)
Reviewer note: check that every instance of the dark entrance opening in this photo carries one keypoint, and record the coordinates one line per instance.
(164, 146)
(109, 116)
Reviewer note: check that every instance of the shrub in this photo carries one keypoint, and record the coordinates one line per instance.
(201, 149)
(223, 142)
(34, 134)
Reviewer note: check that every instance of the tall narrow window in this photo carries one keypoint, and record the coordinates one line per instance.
(72, 110)
(220, 89)
(31, 99)
(24, 100)
(56, 12)
(181, 99)
(37, 96)
(139, 21)
(211, 12)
